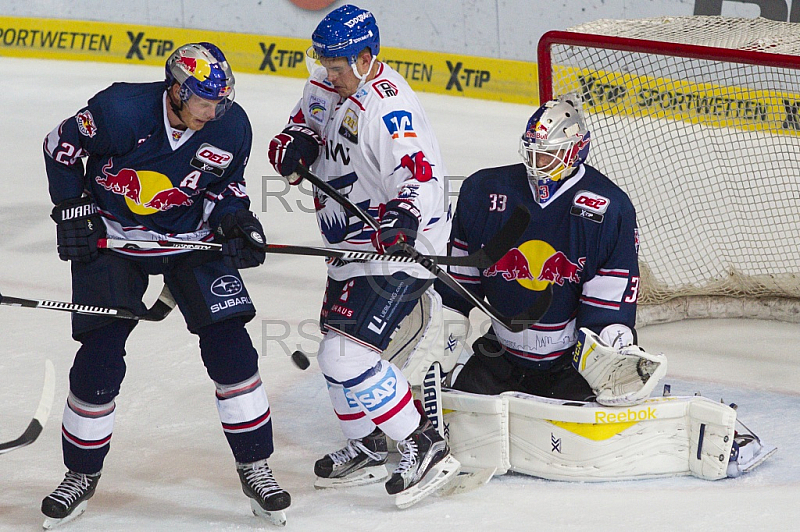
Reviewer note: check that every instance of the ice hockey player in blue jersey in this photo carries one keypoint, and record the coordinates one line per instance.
(582, 239)
(164, 160)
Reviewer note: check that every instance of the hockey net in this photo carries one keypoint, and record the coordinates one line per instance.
(698, 120)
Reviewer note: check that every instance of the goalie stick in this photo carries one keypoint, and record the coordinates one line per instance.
(160, 309)
(483, 258)
(36, 425)
(517, 323)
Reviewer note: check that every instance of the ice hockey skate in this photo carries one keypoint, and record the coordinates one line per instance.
(68, 501)
(747, 452)
(425, 467)
(360, 462)
(267, 498)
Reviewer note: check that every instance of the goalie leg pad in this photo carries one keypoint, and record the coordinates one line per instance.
(662, 437)
(711, 428)
(418, 341)
(477, 426)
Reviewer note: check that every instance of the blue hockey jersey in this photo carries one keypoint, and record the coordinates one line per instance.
(584, 242)
(149, 181)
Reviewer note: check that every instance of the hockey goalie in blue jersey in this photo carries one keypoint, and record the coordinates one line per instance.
(164, 160)
(568, 398)
(582, 239)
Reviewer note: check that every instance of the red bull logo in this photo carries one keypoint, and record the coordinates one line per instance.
(167, 199)
(188, 63)
(559, 269)
(125, 182)
(145, 192)
(199, 68)
(519, 263)
(512, 266)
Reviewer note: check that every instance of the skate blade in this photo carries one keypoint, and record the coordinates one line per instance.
(52, 522)
(438, 476)
(466, 481)
(368, 475)
(760, 458)
(277, 518)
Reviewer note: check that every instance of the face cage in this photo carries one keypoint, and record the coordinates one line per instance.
(556, 167)
(313, 63)
(196, 104)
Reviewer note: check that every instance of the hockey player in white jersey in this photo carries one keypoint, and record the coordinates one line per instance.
(360, 127)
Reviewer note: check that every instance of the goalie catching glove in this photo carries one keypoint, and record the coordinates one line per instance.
(293, 146)
(618, 376)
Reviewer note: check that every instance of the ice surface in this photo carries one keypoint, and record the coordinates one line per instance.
(170, 469)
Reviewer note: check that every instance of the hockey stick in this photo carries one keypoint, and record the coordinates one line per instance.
(517, 323)
(483, 258)
(160, 309)
(36, 425)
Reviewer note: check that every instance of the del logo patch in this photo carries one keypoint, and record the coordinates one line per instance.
(211, 159)
(589, 205)
(385, 88)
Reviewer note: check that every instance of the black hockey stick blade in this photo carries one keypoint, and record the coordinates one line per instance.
(160, 309)
(506, 238)
(36, 425)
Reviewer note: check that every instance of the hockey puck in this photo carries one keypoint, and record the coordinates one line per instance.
(300, 360)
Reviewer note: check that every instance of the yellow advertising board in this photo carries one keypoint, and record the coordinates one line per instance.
(452, 74)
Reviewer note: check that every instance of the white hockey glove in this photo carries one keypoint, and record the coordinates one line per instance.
(619, 377)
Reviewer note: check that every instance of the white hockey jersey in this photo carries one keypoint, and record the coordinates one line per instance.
(378, 146)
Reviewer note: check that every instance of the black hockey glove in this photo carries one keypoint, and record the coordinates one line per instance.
(78, 229)
(242, 238)
(399, 221)
(294, 145)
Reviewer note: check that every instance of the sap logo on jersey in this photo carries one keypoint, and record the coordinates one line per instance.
(226, 286)
(399, 124)
(381, 394)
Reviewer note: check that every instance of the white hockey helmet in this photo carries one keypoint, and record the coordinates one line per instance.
(554, 144)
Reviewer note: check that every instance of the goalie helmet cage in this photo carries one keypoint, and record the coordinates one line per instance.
(698, 119)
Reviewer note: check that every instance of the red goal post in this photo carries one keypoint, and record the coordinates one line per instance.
(698, 120)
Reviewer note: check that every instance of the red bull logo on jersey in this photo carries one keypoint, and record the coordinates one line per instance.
(125, 182)
(559, 269)
(145, 192)
(512, 266)
(536, 264)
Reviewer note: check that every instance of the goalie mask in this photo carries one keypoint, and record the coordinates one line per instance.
(555, 143)
(345, 32)
(204, 76)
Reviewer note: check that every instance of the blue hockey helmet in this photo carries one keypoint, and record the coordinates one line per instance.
(554, 144)
(345, 32)
(201, 70)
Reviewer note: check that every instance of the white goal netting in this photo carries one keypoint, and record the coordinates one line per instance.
(698, 119)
